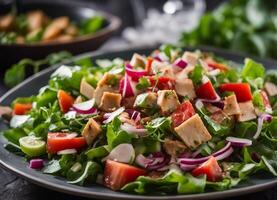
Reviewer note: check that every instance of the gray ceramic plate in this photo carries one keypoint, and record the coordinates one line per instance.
(18, 166)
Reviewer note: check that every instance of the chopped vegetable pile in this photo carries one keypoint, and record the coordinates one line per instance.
(173, 122)
(35, 26)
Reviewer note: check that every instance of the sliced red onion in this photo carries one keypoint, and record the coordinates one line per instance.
(132, 129)
(157, 58)
(110, 116)
(221, 151)
(217, 102)
(239, 142)
(36, 163)
(219, 155)
(133, 114)
(125, 87)
(187, 167)
(134, 74)
(225, 154)
(196, 153)
(263, 117)
(180, 63)
(85, 107)
(154, 161)
(67, 151)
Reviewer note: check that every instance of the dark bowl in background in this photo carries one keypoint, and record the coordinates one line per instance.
(76, 11)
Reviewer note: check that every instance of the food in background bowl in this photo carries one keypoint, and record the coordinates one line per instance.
(36, 26)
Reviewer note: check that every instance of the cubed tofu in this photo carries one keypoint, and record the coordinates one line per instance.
(168, 101)
(91, 131)
(174, 147)
(110, 101)
(162, 69)
(193, 132)
(190, 58)
(138, 61)
(247, 111)
(86, 89)
(185, 88)
(231, 106)
(271, 88)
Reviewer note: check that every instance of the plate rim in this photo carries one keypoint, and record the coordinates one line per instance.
(119, 195)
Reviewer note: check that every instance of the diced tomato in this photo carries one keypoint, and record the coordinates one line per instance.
(21, 108)
(162, 83)
(210, 168)
(183, 113)
(116, 174)
(265, 99)
(61, 141)
(65, 101)
(206, 91)
(215, 65)
(241, 90)
(148, 65)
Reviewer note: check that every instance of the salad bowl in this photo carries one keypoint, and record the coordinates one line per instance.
(18, 166)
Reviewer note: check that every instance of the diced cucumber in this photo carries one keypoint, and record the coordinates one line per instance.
(32, 146)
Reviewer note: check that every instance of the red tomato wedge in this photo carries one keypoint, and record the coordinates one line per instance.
(183, 113)
(210, 168)
(162, 83)
(215, 65)
(116, 174)
(148, 65)
(21, 108)
(206, 91)
(65, 101)
(241, 90)
(61, 141)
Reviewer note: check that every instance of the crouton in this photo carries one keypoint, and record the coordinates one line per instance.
(162, 69)
(168, 101)
(193, 132)
(110, 101)
(247, 111)
(185, 88)
(271, 88)
(174, 147)
(138, 61)
(146, 100)
(86, 89)
(91, 131)
(231, 106)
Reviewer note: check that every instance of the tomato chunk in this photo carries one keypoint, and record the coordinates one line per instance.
(210, 168)
(241, 90)
(116, 174)
(65, 101)
(162, 83)
(206, 91)
(61, 141)
(215, 65)
(183, 113)
(21, 108)
(148, 65)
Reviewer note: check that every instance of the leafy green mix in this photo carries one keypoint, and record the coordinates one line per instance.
(239, 25)
(87, 165)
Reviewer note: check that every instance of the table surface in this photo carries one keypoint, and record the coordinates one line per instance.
(14, 188)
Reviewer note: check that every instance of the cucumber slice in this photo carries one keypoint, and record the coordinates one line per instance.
(124, 153)
(32, 146)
